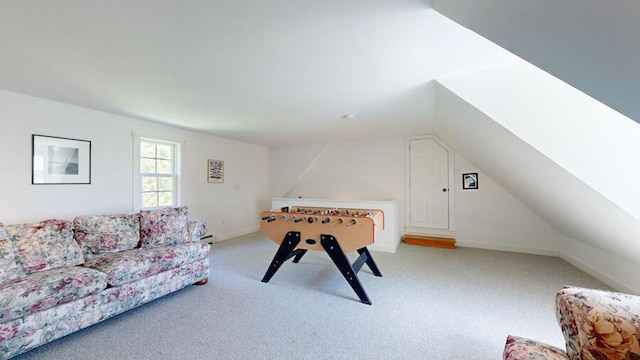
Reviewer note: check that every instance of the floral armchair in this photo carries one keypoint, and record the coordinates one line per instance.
(596, 324)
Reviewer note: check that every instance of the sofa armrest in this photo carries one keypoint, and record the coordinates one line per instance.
(196, 229)
(519, 348)
(599, 324)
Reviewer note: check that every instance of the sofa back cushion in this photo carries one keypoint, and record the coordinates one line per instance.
(101, 234)
(10, 264)
(46, 245)
(163, 227)
(599, 324)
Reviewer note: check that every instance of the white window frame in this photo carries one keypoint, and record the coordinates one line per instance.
(137, 175)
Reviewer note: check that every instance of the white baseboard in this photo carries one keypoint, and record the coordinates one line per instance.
(509, 248)
(222, 237)
(617, 285)
(598, 274)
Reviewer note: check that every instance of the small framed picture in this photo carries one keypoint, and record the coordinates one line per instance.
(469, 181)
(57, 160)
(215, 171)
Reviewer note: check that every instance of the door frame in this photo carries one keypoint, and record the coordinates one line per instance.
(415, 230)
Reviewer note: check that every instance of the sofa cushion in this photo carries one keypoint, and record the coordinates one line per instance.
(45, 289)
(100, 234)
(519, 348)
(599, 324)
(10, 264)
(163, 227)
(196, 229)
(131, 265)
(46, 245)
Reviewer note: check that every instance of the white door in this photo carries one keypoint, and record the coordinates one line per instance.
(428, 184)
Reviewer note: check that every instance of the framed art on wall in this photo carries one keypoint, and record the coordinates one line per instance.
(469, 181)
(57, 160)
(215, 171)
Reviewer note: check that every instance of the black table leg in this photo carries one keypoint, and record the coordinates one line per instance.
(369, 261)
(285, 251)
(333, 249)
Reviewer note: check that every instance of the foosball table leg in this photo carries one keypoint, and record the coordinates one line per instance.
(299, 254)
(284, 253)
(372, 264)
(333, 249)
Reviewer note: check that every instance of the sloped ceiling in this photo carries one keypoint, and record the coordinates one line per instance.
(564, 201)
(285, 72)
(272, 73)
(593, 45)
(266, 72)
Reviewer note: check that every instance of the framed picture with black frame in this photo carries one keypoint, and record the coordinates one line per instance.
(470, 181)
(58, 160)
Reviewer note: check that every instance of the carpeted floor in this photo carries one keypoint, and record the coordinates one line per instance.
(430, 304)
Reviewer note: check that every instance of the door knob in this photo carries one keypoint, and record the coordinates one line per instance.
(444, 190)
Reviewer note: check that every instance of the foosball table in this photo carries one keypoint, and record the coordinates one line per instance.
(333, 230)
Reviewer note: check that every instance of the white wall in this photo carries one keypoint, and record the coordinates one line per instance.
(230, 208)
(356, 170)
(491, 218)
(619, 272)
(374, 170)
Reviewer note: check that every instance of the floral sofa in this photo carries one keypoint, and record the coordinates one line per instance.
(596, 324)
(60, 276)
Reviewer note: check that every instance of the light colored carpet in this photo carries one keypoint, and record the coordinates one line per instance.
(430, 304)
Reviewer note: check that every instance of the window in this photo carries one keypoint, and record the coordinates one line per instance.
(158, 173)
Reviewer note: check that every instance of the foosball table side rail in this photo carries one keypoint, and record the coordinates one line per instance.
(352, 231)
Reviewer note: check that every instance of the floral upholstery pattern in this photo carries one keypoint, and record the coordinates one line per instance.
(131, 265)
(196, 229)
(599, 324)
(100, 234)
(46, 245)
(20, 335)
(10, 264)
(518, 348)
(163, 227)
(44, 296)
(45, 289)
(596, 324)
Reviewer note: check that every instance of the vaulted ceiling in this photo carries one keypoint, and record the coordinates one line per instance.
(287, 72)
(266, 72)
